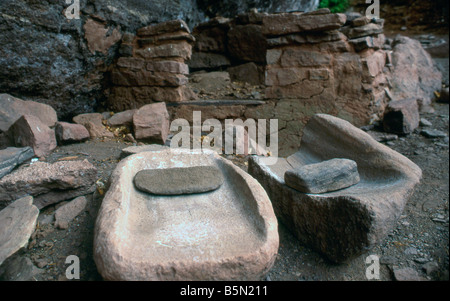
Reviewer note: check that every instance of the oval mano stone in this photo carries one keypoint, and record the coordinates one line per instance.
(179, 180)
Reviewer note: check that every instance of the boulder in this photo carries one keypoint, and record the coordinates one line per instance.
(326, 176)
(11, 109)
(69, 132)
(28, 130)
(151, 123)
(344, 223)
(12, 156)
(179, 180)
(49, 183)
(17, 223)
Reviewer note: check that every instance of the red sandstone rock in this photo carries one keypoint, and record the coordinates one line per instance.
(98, 36)
(28, 130)
(151, 123)
(286, 23)
(69, 132)
(49, 183)
(401, 116)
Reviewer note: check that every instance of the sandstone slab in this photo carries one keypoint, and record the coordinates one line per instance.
(13, 156)
(340, 224)
(226, 234)
(49, 183)
(329, 175)
(17, 223)
(179, 180)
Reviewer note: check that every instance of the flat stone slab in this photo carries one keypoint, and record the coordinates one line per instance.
(179, 180)
(17, 223)
(330, 175)
(340, 224)
(230, 233)
(13, 156)
(132, 150)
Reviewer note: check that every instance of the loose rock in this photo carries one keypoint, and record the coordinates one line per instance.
(322, 177)
(17, 223)
(49, 183)
(12, 156)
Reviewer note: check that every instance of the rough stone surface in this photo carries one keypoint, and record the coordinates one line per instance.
(433, 133)
(67, 212)
(49, 183)
(17, 223)
(414, 74)
(179, 180)
(249, 73)
(151, 123)
(344, 223)
(19, 268)
(68, 132)
(323, 177)
(208, 61)
(286, 23)
(93, 122)
(12, 156)
(28, 130)
(122, 118)
(11, 109)
(228, 234)
(401, 116)
(406, 274)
